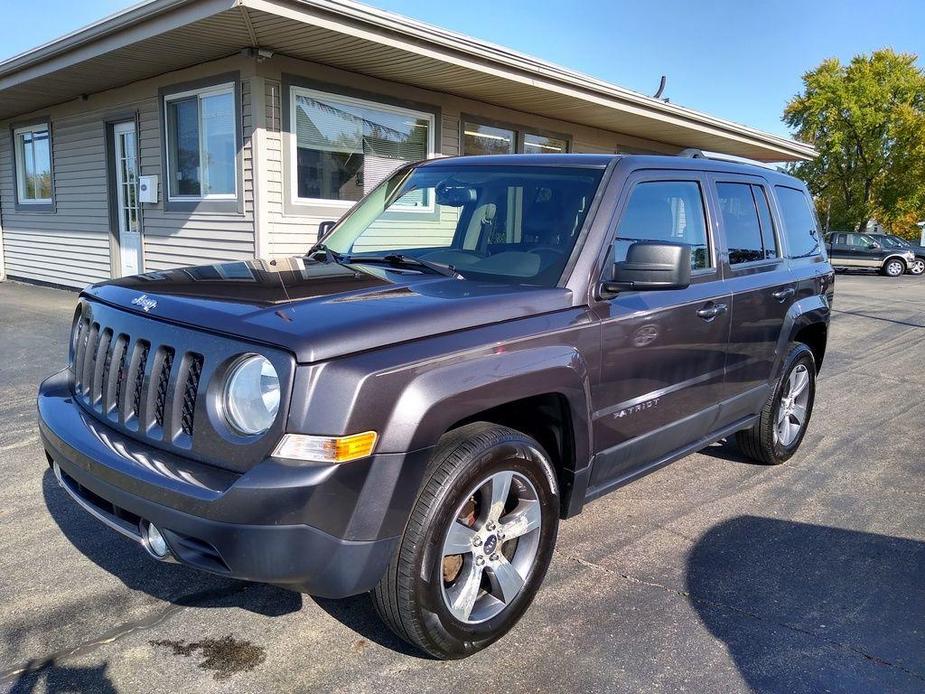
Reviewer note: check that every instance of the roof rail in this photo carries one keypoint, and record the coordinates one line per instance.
(693, 153)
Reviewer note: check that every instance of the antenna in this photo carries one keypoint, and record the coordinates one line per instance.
(661, 87)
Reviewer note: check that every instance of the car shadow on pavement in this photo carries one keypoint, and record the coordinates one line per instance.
(811, 608)
(357, 613)
(173, 583)
(726, 449)
(60, 678)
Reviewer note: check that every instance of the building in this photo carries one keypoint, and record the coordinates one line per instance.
(183, 132)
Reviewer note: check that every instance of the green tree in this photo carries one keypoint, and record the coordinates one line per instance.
(867, 121)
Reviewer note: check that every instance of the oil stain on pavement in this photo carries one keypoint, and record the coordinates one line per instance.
(225, 656)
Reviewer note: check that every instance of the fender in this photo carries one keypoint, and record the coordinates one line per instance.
(433, 401)
(898, 257)
(806, 311)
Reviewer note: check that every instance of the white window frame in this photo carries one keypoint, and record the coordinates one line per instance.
(224, 88)
(20, 164)
(347, 101)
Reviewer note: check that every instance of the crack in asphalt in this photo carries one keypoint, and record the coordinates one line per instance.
(118, 632)
(752, 615)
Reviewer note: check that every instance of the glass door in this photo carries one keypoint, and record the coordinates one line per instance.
(126, 184)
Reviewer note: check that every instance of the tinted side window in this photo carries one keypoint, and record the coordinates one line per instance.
(740, 219)
(665, 211)
(767, 224)
(799, 223)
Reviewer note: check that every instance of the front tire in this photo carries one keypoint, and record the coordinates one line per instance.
(894, 267)
(477, 545)
(785, 416)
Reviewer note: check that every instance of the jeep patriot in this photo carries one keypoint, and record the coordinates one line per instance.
(480, 347)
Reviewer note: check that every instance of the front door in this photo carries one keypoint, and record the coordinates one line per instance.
(663, 352)
(126, 198)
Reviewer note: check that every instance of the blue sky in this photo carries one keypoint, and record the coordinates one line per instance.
(737, 59)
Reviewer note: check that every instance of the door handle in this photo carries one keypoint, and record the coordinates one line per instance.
(711, 311)
(783, 294)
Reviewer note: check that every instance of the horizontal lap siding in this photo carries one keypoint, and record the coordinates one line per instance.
(70, 246)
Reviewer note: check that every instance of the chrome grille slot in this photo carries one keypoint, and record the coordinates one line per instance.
(100, 359)
(190, 392)
(115, 376)
(162, 379)
(88, 359)
(137, 378)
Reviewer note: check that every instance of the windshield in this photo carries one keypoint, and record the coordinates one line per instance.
(509, 224)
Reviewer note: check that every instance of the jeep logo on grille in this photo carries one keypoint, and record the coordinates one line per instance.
(144, 302)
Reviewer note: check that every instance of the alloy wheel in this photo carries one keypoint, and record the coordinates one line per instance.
(894, 268)
(791, 410)
(490, 547)
(917, 267)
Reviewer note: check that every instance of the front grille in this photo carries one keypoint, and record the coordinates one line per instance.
(134, 383)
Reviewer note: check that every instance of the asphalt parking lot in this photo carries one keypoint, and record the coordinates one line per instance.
(713, 574)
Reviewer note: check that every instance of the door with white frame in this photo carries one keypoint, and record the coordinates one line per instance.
(126, 188)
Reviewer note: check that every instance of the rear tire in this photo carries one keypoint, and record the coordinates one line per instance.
(452, 604)
(917, 267)
(894, 267)
(785, 416)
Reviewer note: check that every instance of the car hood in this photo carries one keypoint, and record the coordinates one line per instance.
(322, 310)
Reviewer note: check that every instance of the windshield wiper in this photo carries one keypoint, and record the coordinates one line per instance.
(398, 259)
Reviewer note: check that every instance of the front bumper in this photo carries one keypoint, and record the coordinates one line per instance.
(320, 529)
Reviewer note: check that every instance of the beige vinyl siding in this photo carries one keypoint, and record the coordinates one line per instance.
(69, 246)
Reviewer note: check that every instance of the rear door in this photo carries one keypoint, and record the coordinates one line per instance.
(762, 289)
(839, 251)
(662, 352)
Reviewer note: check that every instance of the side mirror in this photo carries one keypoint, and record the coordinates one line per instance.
(874, 246)
(325, 227)
(651, 265)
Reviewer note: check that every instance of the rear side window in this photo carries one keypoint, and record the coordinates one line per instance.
(799, 223)
(747, 221)
(665, 211)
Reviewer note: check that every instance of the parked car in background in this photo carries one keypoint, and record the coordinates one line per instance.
(853, 250)
(479, 348)
(917, 267)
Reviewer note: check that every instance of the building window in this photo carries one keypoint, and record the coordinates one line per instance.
(201, 144)
(485, 138)
(344, 147)
(540, 144)
(33, 164)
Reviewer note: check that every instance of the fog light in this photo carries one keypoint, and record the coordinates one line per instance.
(155, 542)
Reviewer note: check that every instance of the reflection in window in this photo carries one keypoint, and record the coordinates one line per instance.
(201, 144)
(486, 139)
(539, 144)
(33, 164)
(740, 221)
(346, 147)
(800, 226)
(665, 211)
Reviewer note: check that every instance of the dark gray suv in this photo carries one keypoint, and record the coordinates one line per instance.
(479, 348)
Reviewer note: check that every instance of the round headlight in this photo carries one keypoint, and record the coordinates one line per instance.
(251, 397)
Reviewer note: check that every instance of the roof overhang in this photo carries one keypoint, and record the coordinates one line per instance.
(164, 35)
